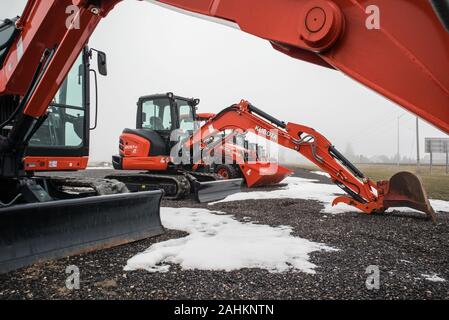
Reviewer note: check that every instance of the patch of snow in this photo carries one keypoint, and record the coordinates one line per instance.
(297, 188)
(437, 205)
(217, 241)
(433, 277)
(98, 168)
(321, 173)
(308, 189)
(440, 205)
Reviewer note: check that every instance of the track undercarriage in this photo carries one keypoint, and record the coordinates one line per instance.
(180, 184)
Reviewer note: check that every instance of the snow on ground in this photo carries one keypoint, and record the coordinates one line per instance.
(307, 189)
(219, 242)
(433, 277)
(440, 205)
(321, 173)
(297, 188)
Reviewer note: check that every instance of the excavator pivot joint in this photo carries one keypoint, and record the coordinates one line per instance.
(321, 24)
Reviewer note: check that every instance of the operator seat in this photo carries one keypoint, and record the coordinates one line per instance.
(156, 123)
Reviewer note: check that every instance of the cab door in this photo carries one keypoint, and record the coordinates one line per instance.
(62, 141)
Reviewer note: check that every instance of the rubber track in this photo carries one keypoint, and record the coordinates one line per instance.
(181, 182)
(204, 177)
(100, 186)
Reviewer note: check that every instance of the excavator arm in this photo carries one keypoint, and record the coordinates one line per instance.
(363, 193)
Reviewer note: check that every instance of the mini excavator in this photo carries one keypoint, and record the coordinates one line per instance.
(163, 122)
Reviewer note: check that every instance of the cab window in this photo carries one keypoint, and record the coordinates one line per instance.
(156, 114)
(64, 126)
(186, 121)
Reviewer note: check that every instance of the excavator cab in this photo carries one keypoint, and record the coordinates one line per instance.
(66, 129)
(164, 114)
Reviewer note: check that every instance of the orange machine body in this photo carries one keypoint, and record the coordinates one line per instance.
(135, 151)
(55, 163)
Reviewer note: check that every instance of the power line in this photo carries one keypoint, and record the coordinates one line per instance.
(375, 125)
(368, 133)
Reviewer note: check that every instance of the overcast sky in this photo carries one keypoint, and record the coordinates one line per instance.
(154, 50)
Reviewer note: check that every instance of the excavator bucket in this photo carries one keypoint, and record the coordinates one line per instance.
(216, 190)
(264, 174)
(406, 190)
(31, 233)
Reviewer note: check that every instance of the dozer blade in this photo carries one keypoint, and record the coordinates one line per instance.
(216, 190)
(31, 233)
(406, 190)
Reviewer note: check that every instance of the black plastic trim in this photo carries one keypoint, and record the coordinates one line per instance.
(441, 8)
(336, 154)
(267, 116)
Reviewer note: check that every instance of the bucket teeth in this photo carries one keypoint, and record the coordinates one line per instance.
(406, 190)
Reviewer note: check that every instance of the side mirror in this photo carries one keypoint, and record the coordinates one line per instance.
(196, 101)
(144, 117)
(102, 63)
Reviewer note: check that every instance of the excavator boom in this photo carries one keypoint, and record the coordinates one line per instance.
(399, 48)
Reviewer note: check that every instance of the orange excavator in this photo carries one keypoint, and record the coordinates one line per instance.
(404, 56)
(163, 122)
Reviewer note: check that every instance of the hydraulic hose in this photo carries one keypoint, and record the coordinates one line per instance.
(29, 91)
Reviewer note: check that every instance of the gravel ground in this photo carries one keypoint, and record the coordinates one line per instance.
(402, 245)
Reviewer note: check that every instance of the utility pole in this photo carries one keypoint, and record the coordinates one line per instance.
(418, 162)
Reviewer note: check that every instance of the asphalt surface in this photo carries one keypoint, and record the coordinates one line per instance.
(403, 246)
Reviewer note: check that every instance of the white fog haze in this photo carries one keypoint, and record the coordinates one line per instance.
(154, 50)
